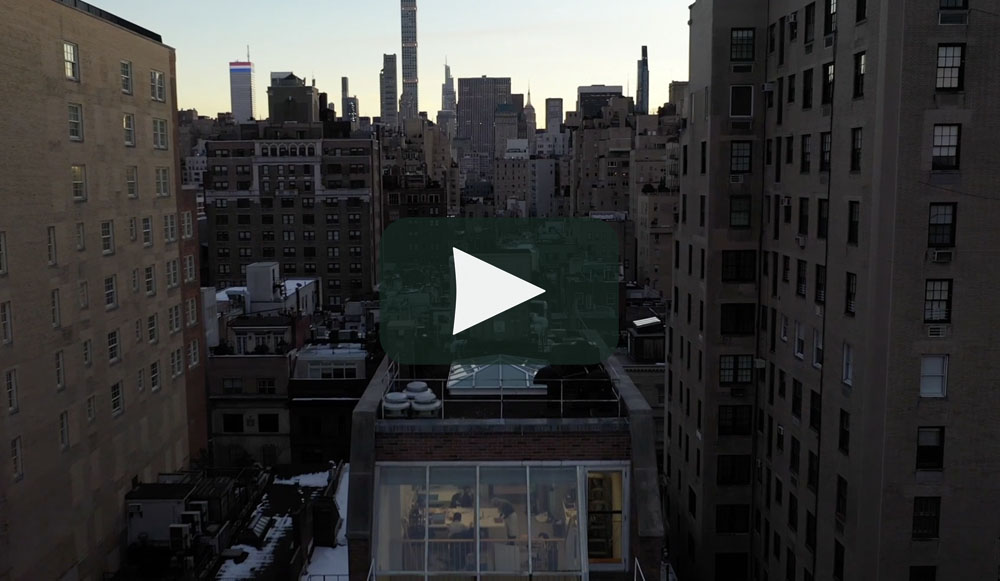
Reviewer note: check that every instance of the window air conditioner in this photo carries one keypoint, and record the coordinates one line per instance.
(736, 178)
(180, 537)
(801, 241)
(759, 363)
(937, 331)
(193, 518)
(768, 87)
(828, 40)
(942, 255)
(786, 201)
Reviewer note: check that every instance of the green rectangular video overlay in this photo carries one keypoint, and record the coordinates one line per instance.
(575, 261)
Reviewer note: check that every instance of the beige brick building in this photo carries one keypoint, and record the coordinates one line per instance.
(830, 407)
(92, 353)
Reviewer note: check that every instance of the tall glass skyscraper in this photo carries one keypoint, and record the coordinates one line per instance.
(409, 107)
(241, 90)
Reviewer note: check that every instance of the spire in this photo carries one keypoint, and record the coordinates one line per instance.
(529, 94)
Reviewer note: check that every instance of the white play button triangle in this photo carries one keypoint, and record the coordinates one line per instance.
(483, 291)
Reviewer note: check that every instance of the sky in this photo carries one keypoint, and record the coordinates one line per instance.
(551, 45)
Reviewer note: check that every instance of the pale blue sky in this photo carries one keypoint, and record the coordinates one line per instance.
(555, 45)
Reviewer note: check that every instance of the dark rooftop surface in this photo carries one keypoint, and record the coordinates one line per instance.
(105, 15)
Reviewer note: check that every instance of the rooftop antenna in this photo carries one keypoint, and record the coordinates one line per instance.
(248, 53)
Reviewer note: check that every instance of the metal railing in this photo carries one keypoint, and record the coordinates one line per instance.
(637, 574)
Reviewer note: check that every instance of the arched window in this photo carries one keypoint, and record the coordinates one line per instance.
(274, 151)
(312, 151)
(282, 151)
(293, 151)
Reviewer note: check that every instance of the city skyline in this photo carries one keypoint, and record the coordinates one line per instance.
(517, 41)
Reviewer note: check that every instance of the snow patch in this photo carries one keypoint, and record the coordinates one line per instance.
(314, 480)
(257, 558)
(333, 560)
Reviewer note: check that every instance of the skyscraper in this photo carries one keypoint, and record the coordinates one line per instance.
(388, 92)
(478, 100)
(446, 116)
(409, 107)
(553, 114)
(831, 340)
(529, 123)
(590, 99)
(642, 91)
(243, 102)
(345, 94)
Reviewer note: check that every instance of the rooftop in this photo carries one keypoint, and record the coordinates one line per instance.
(116, 20)
(160, 491)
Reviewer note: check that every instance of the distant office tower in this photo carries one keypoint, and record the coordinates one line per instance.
(642, 93)
(388, 92)
(101, 345)
(592, 98)
(478, 99)
(553, 114)
(351, 113)
(291, 99)
(446, 116)
(241, 96)
(529, 121)
(409, 107)
(345, 94)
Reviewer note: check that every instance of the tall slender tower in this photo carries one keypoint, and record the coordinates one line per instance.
(642, 93)
(243, 104)
(388, 91)
(345, 95)
(446, 116)
(409, 107)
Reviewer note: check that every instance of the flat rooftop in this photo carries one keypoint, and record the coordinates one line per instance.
(116, 20)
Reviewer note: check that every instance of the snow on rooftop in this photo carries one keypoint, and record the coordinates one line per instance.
(257, 559)
(333, 560)
(314, 480)
(646, 322)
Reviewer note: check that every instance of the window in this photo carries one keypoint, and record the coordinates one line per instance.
(108, 237)
(176, 362)
(152, 330)
(232, 423)
(91, 408)
(734, 420)
(78, 177)
(822, 218)
(3, 252)
(150, 280)
(110, 292)
(16, 459)
(825, 145)
(937, 301)
(840, 506)
(692, 502)
(801, 285)
(848, 367)
(826, 96)
(851, 294)
(784, 328)
(54, 308)
(805, 154)
(860, 10)
(117, 399)
(173, 273)
(859, 75)
(740, 157)
(192, 311)
(128, 126)
(739, 211)
(189, 269)
(945, 152)
(807, 89)
(133, 229)
(739, 265)
(157, 86)
(114, 346)
(817, 348)
(815, 410)
(732, 519)
(154, 376)
(794, 455)
(844, 435)
(954, 4)
(820, 284)
(735, 369)
(174, 318)
(147, 231)
(791, 88)
(160, 133)
(232, 385)
(126, 74)
(187, 225)
(71, 60)
(830, 17)
(162, 181)
(933, 375)
(810, 27)
(800, 340)
(81, 237)
(88, 353)
(926, 517)
(75, 121)
(741, 101)
(941, 228)
(267, 423)
(856, 141)
(10, 381)
(6, 322)
(733, 469)
(950, 67)
(266, 386)
(923, 573)
(684, 160)
(741, 44)
(930, 448)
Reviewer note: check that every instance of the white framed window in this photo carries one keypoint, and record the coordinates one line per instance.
(60, 369)
(114, 346)
(157, 86)
(78, 176)
(126, 73)
(91, 408)
(170, 228)
(173, 278)
(81, 236)
(16, 459)
(159, 133)
(138, 330)
(75, 111)
(3, 252)
(933, 375)
(140, 379)
(800, 340)
(174, 318)
(154, 376)
(83, 294)
(88, 352)
(10, 382)
(194, 354)
(188, 225)
(64, 430)
(133, 229)
(110, 292)
(152, 330)
(71, 61)
(817, 348)
(189, 270)
(128, 128)
(192, 311)
(848, 370)
(162, 181)
(6, 322)
(54, 308)
(176, 362)
(117, 399)
(51, 243)
(147, 231)
(108, 237)
(151, 280)
(132, 181)
(135, 280)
